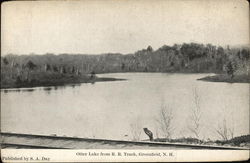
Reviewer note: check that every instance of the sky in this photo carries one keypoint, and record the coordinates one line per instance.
(124, 26)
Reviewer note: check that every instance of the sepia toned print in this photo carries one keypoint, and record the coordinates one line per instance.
(142, 80)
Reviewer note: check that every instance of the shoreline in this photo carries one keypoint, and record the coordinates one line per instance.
(69, 81)
(226, 79)
(59, 83)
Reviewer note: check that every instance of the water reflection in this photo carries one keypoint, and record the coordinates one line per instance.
(18, 90)
(75, 85)
(47, 88)
(15, 90)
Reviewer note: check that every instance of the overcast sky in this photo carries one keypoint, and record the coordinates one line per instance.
(123, 26)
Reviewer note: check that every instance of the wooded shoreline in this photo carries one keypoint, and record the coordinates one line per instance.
(64, 82)
(50, 69)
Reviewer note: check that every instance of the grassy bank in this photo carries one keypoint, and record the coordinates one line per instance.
(225, 78)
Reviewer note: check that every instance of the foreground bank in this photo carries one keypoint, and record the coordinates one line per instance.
(14, 140)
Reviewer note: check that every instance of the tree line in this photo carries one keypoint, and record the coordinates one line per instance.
(186, 57)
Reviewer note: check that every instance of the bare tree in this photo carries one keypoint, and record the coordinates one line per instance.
(135, 129)
(195, 116)
(165, 120)
(225, 131)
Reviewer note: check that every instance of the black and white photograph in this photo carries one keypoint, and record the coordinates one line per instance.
(143, 79)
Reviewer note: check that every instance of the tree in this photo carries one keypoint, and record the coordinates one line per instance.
(18, 80)
(73, 69)
(55, 69)
(245, 54)
(135, 129)
(123, 66)
(165, 120)
(47, 67)
(5, 61)
(220, 51)
(193, 50)
(195, 116)
(92, 75)
(164, 48)
(63, 70)
(224, 131)
(149, 48)
(78, 72)
(30, 65)
(230, 68)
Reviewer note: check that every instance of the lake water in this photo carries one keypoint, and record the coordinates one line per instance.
(109, 109)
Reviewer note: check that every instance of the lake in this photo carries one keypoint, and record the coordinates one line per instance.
(109, 109)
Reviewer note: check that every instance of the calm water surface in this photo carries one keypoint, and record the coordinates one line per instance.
(108, 109)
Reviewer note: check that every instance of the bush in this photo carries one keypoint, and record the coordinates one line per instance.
(18, 80)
